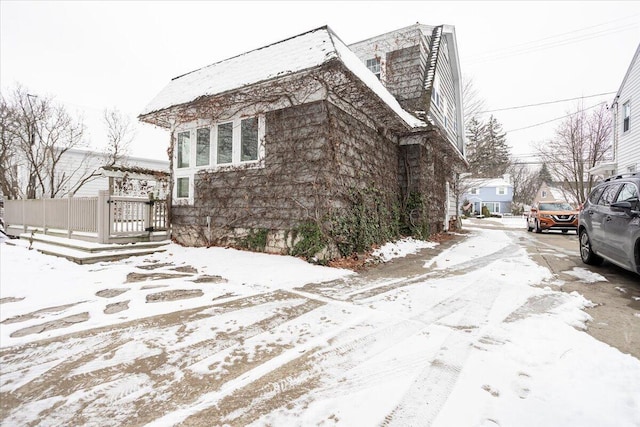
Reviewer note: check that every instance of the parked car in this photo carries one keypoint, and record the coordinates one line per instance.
(552, 216)
(609, 223)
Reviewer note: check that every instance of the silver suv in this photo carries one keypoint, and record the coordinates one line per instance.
(609, 223)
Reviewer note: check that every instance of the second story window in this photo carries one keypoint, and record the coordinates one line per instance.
(436, 96)
(626, 112)
(501, 191)
(475, 191)
(374, 66)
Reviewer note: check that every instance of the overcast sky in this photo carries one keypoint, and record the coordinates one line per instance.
(93, 55)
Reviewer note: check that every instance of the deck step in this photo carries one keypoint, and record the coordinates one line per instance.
(82, 252)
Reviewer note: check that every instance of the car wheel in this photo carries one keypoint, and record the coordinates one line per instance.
(538, 229)
(587, 255)
(529, 228)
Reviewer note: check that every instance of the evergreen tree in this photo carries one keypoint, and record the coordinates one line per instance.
(475, 136)
(497, 161)
(487, 149)
(544, 175)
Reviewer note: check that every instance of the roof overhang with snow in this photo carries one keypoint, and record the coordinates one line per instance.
(299, 55)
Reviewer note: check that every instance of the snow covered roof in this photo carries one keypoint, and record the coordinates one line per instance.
(299, 53)
(487, 182)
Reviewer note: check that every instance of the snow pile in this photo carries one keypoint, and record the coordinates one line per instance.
(585, 275)
(401, 248)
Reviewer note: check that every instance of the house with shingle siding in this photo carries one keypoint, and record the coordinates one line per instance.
(304, 131)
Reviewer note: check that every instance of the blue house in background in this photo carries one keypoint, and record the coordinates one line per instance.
(494, 193)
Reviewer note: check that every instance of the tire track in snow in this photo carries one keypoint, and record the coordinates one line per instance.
(430, 390)
(315, 373)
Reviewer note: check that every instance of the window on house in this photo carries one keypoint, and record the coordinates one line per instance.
(435, 91)
(249, 139)
(203, 146)
(501, 191)
(225, 143)
(374, 66)
(183, 149)
(626, 111)
(474, 191)
(493, 207)
(544, 193)
(182, 188)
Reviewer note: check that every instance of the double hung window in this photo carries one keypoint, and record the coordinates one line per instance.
(373, 65)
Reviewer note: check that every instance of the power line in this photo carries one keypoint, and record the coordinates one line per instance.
(545, 103)
(557, 118)
(554, 44)
(549, 42)
(554, 36)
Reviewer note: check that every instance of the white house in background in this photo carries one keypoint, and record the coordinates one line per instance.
(78, 165)
(626, 125)
(94, 162)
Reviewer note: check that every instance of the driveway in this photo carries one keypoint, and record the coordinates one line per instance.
(471, 332)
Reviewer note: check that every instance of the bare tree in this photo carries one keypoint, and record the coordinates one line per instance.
(581, 141)
(524, 185)
(120, 133)
(472, 103)
(36, 135)
(9, 153)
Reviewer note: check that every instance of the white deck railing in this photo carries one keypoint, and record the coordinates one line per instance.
(105, 216)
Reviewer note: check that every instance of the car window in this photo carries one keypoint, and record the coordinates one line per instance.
(595, 195)
(609, 194)
(628, 193)
(555, 207)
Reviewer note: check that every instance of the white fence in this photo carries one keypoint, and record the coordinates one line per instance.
(104, 218)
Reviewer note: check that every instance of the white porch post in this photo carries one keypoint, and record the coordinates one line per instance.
(104, 224)
(69, 216)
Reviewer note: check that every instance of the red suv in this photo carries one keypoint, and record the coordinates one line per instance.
(552, 216)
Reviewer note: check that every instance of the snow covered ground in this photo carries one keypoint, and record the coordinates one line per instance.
(475, 339)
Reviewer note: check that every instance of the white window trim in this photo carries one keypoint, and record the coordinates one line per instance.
(175, 188)
(626, 116)
(213, 166)
(501, 191)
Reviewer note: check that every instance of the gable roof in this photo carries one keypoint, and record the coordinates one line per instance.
(303, 52)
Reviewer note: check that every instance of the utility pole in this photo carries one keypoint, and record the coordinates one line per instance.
(31, 186)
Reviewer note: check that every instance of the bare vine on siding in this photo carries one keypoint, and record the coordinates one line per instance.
(331, 159)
